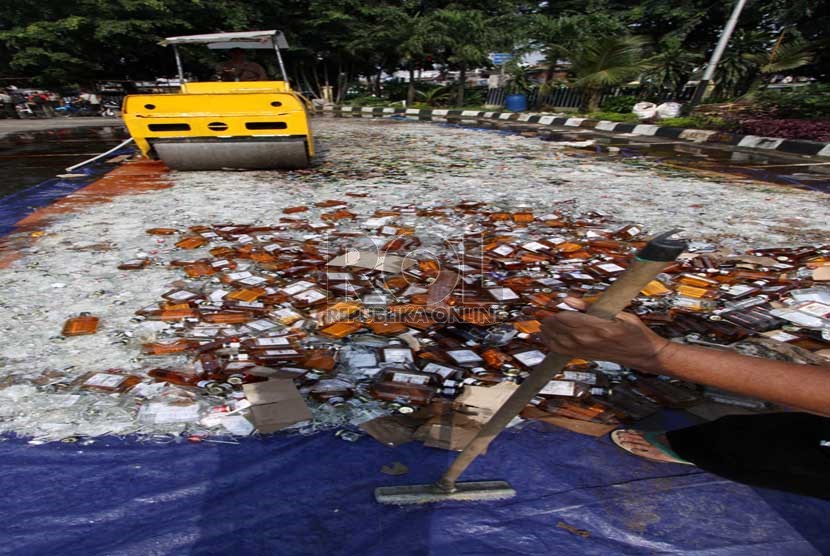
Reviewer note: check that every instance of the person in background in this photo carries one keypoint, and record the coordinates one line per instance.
(7, 105)
(787, 451)
(239, 68)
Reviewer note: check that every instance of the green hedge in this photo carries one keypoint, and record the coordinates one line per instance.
(812, 101)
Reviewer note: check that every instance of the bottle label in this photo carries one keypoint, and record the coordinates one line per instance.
(394, 355)
(559, 388)
(529, 358)
(815, 308)
(279, 341)
(587, 378)
(286, 316)
(780, 335)
(581, 276)
(237, 365)
(297, 287)
(181, 295)
(217, 295)
(261, 325)
(535, 247)
(503, 294)
(463, 356)
(310, 296)
(503, 250)
(252, 281)
(105, 380)
(409, 378)
(236, 276)
(281, 352)
(739, 289)
(610, 267)
(799, 318)
(440, 370)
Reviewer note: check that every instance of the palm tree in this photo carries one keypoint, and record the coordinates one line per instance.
(782, 57)
(736, 69)
(605, 62)
(435, 96)
(672, 65)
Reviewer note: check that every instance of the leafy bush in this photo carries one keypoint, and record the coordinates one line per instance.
(812, 101)
(396, 90)
(475, 96)
(367, 100)
(356, 90)
(614, 117)
(698, 122)
(812, 130)
(436, 96)
(622, 104)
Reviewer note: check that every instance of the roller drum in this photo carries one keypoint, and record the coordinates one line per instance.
(238, 155)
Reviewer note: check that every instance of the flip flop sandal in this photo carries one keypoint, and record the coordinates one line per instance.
(651, 438)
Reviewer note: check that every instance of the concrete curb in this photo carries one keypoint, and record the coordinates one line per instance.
(789, 146)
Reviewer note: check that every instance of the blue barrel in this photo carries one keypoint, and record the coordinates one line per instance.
(516, 103)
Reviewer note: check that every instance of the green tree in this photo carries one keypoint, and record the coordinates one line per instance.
(465, 38)
(781, 57)
(64, 43)
(606, 62)
(736, 70)
(672, 65)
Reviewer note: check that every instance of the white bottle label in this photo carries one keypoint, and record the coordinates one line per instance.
(587, 378)
(559, 388)
(409, 378)
(529, 358)
(105, 380)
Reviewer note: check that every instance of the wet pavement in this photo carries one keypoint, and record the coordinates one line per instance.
(10, 126)
(29, 157)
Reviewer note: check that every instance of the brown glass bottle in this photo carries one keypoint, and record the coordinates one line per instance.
(80, 325)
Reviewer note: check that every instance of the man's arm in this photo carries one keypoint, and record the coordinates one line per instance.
(629, 342)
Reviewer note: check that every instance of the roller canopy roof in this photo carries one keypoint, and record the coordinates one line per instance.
(245, 39)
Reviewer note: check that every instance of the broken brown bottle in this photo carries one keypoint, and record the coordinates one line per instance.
(187, 380)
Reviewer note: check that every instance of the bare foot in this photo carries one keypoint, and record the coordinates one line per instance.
(634, 442)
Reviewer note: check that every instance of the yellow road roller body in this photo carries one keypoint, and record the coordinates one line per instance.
(224, 124)
(215, 125)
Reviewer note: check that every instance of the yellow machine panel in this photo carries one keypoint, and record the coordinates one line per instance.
(215, 125)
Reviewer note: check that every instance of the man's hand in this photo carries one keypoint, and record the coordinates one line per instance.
(629, 342)
(626, 340)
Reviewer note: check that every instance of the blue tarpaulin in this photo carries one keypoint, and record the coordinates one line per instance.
(295, 495)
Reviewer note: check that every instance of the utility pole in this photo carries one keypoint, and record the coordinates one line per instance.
(725, 35)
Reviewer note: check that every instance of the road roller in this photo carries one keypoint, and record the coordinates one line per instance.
(228, 124)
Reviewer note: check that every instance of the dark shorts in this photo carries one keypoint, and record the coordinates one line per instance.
(782, 451)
